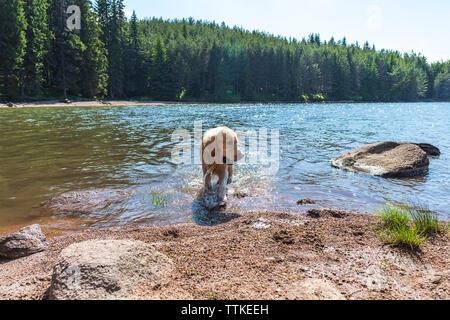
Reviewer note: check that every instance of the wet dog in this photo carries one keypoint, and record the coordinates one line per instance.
(218, 153)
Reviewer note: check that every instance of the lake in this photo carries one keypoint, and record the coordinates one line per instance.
(45, 152)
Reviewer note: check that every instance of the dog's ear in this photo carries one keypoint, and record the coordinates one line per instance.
(238, 155)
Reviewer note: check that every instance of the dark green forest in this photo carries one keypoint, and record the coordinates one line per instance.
(186, 60)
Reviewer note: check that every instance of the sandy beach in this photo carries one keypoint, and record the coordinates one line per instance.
(88, 103)
(263, 256)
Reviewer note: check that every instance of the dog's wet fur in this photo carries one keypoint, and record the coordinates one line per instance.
(218, 153)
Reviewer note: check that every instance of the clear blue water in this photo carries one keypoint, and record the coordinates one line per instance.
(45, 152)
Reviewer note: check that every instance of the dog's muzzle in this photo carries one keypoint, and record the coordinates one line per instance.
(225, 161)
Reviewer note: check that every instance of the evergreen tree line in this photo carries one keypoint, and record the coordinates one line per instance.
(187, 60)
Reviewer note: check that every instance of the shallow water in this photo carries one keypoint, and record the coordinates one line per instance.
(45, 152)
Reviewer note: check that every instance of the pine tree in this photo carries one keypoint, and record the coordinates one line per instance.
(115, 49)
(67, 53)
(159, 74)
(133, 61)
(13, 26)
(134, 32)
(103, 11)
(95, 64)
(37, 44)
(442, 86)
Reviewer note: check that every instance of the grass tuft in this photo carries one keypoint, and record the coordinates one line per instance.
(159, 199)
(191, 272)
(409, 224)
(213, 296)
(393, 217)
(403, 235)
(426, 221)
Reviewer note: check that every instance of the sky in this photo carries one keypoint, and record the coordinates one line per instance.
(404, 25)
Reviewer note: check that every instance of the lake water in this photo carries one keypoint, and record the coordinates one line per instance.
(45, 152)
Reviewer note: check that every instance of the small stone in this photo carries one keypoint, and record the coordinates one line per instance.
(25, 242)
(240, 195)
(436, 279)
(313, 214)
(261, 224)
(304, 202)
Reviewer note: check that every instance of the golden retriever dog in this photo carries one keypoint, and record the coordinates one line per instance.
(218, 153)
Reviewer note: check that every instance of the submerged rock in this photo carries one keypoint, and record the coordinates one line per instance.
(85, 202)
(306, 201)
(388, 159)
(240, 195)
(106, 269)
(25, 242)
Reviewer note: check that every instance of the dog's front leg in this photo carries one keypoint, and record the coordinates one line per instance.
(230, 174)
(207, 178)
(222, 197)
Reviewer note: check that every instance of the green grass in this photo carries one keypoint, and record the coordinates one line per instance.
(159, 199)
(313, 98)
(426, 221)
(191, 272)
(213, 296)
(409, 225)
(403, 235)
(393, 217)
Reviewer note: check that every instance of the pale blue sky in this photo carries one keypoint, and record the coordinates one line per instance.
(403, 25)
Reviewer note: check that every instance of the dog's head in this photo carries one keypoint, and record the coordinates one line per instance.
(220, 146)
(232, 153)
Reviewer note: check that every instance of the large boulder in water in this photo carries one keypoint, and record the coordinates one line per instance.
(388, 159)
(106, 270)
(25, 242)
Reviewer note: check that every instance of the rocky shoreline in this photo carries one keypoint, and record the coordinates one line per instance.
(325, 254)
